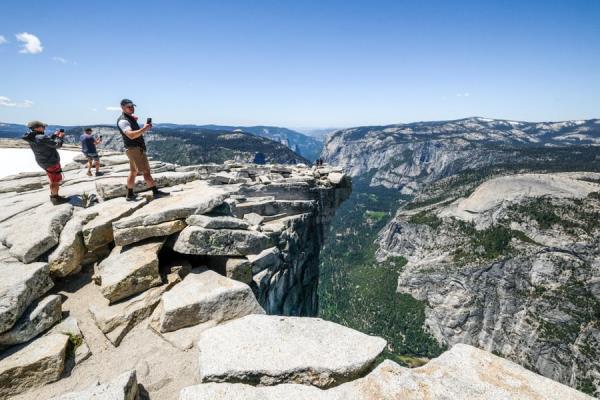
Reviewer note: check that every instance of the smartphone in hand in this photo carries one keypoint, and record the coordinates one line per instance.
(149, 121)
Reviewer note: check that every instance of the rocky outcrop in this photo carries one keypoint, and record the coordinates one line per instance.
(164, 269)
(286, 349)
(513, 269)
(463, 372)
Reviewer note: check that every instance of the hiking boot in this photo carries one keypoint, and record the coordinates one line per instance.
(98, 173)
(58, 200)
(131, 197)
(159, 193)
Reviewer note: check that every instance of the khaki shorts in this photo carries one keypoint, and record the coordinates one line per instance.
(137, 159)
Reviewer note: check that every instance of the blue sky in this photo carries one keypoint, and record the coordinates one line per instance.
(300, 63)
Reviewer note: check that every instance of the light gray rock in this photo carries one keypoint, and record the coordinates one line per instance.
(254, 219)
(20, 285)
(220, 242)
(38, 318)
(130, 270)
(219, 222)
(70, 327)
(269, 258)
(115, 187)
(270, 350)
(5, 255)
(203, 296)
(134, 234)
(116, 320)
(180, 205)
(99, 231)
(31, 234)
(274, 207)
(123, 387)
(335, 178)
(227, 178)
(21, 185)
(41, 361)
(463, 372)
(68, 255)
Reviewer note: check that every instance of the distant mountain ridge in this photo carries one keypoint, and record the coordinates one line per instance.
(185, 144)
(405, 155)
(306, 146)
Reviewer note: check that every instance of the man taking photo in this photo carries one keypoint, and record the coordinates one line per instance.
(88, 148)
(46, 156)
(133, 138)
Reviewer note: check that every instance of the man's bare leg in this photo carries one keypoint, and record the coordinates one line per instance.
(149, 181)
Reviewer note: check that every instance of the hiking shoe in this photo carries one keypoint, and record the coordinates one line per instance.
(89, 173)
(132, 197)
(98, 173)
(58, 200)
(159, 193)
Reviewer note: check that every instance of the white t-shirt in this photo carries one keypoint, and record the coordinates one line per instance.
(124, 125)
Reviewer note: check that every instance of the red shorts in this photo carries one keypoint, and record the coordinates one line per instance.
(54, 173)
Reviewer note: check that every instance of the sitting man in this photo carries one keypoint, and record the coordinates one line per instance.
(47, 157)
(88, 147)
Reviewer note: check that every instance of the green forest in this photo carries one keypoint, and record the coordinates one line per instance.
(357, 291)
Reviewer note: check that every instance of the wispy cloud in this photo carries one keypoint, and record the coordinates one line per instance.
(7, 102)
(60, 60)
(466, 94)
(3, 39)
(94, 109)
(31, 43)
(113, 108)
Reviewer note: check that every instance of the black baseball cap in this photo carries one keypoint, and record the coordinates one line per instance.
(88, 129)
(127, 102)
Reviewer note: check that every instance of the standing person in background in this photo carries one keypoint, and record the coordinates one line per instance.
(133, 138)
(88, 147)
(46, 156)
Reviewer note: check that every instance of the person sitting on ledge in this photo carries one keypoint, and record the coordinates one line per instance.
(46, 156)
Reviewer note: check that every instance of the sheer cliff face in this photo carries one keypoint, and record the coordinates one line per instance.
(514, 269)
(288, 286)
(408, 155)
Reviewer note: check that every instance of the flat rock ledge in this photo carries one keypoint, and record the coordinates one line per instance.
(270, 350)
(463, 372)
(123, 387)
(203, 296)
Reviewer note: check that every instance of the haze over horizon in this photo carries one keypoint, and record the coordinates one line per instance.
(331, 64)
